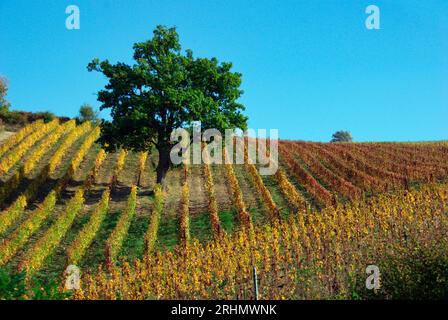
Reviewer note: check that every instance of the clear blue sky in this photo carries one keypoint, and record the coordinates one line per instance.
(309, 67)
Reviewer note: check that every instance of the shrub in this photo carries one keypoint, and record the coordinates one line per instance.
(418, 273)
(21, 118)
(47, 116)
(15, 118)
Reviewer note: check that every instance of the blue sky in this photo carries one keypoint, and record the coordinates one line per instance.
(309, 67)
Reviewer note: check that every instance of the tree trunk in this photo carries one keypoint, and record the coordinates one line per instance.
(163, 165)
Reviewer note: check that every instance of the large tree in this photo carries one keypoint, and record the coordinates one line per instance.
(163, 90)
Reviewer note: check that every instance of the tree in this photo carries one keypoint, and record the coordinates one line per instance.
(4, 105)
(86, 113)
(164, 90)
(342, 136)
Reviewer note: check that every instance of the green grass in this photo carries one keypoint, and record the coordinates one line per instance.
(227, 219)
(95, 255)
(168, 233)
(200, 227)
(258, 218)
(134, 243)
(280, 201)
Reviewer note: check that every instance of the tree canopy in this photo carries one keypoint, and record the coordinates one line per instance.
(86, 113)
(163, 90)
(342, 136)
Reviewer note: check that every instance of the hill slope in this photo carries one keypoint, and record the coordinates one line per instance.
(199, 204)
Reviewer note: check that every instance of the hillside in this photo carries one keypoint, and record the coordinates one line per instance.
(57, 211)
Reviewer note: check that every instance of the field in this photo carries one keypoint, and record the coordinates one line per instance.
(310, 229)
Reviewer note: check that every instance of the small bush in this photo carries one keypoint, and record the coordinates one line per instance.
(15, 286)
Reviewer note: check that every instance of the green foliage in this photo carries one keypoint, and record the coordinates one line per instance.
(14, 118)
(4, 105)
(22, 118)
(86, 113)
(342, 136)
(419, 272)
(12, 285)
(164, 90)
(48, 290)
(47, 116)
(15, 286)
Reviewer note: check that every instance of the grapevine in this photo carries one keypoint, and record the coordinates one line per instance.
(44, 247)
(121, 159)
(85, 237)
(325, 242)
(243, 215)
(151, 233)
(15, 155)
(141, 166)
(27, 229)
(66, 144)
(19, 136)
(115, 240)
(50, 140)
(12, 213)
(184, 220)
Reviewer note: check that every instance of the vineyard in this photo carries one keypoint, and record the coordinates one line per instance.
(331, 209)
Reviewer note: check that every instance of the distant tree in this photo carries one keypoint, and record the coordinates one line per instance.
(342, 136)
(4, 105)
(165, 90)
(86, 113)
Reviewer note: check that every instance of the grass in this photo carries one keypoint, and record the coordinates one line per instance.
(200, 227)
(227, 219)
(95, 253)
(280, 201)
(167, 237)
(134, 243)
